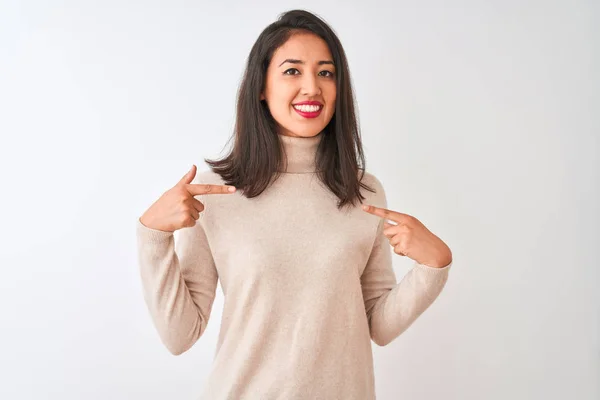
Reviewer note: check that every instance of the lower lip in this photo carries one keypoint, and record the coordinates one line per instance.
(309, 114)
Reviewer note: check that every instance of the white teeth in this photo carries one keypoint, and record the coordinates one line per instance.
(307, 108)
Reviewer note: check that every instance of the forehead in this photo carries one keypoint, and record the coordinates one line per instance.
(304, 46)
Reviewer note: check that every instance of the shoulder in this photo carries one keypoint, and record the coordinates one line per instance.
(378, 198)
(370, 179)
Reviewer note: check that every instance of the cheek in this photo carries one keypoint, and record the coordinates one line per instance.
(283, 97)
(332, 105)
(330, 97)
(331, 108)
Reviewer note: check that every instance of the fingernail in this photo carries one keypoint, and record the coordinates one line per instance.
(231, 189)
(366, 208)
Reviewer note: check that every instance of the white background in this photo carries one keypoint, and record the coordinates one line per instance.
(480, 118)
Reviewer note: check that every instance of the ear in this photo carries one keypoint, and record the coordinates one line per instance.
(262, 96)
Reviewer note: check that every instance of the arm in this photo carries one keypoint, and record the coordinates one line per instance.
(179, 280)
(392, 307)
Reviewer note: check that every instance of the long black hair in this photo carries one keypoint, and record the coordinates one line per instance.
(257, 154)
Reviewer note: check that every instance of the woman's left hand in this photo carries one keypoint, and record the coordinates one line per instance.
(412, 239)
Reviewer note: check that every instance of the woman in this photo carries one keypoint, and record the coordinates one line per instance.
(306, 274)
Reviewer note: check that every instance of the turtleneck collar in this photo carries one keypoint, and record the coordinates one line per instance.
(301, 152)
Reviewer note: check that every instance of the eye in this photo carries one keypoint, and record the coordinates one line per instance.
(327, 73)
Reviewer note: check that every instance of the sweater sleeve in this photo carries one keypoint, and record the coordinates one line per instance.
(179, 281)
(392, 307)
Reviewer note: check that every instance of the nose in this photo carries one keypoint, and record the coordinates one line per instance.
(310, 86)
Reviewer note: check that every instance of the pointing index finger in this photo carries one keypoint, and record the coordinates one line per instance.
(205, 188)
(384, 213)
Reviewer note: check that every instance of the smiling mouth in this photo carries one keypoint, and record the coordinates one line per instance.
(308, 111)
(310, 108)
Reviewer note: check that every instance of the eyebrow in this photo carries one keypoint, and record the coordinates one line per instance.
(294, 61)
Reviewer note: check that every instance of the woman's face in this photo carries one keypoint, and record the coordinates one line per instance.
(301, 70)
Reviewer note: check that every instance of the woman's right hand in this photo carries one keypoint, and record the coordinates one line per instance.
(177, 208)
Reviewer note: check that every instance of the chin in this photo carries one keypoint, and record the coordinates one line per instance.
(310, 133)
(307, 130)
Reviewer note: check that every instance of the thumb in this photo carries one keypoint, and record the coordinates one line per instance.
(189, 176)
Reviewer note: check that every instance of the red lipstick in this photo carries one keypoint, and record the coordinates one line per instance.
(312, 113)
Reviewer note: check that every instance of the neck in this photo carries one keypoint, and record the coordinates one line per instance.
(301, 152)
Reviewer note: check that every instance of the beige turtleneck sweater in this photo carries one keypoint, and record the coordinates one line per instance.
(306, 287)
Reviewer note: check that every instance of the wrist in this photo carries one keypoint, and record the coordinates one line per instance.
(441, 261)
